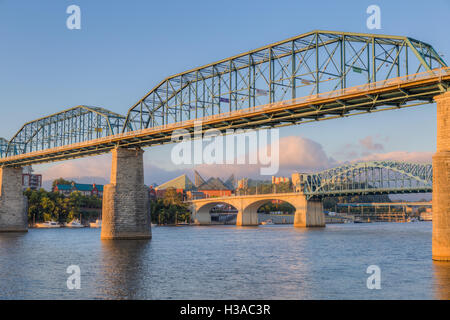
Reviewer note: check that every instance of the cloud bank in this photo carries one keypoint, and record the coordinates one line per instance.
(297, 154)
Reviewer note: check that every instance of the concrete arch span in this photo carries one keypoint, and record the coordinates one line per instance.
(202, 213)
(308, 213)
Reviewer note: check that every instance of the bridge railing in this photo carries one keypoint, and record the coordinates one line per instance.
(439, 73)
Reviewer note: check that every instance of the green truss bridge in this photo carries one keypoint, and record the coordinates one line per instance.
(367, 178)
(315, 76)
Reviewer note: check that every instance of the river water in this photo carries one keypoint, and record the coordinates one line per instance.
(226, 262)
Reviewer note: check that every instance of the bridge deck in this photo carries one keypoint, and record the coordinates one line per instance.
(384, 95)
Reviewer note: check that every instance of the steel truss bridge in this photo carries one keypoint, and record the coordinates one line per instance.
(315, 76)
(368, 178)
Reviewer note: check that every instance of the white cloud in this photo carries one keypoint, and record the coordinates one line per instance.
(296, 154)
(369, 144)
(399, 156)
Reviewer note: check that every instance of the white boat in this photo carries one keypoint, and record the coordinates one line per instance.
(267, 222)
(96, 224)
(75, 223)
(48, 224)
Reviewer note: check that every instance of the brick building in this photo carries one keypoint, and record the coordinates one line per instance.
(84, 189)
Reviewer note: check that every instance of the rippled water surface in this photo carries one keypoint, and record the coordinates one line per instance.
(226, 262)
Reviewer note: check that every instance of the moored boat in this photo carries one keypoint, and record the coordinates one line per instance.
(96, 224)
(48, 224)
(75, 223)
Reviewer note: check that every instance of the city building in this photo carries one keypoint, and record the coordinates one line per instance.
(181, 184)
(278, 180)
(30, 180)
(213, 187)
(84, 189)
(152, 193)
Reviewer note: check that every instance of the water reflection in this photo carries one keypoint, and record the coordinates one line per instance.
(225, 262)
(124, 269)
(441, 280)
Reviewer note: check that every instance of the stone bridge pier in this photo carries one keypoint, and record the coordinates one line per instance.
(308, 213)
(441, 181)
(13, 204)
(126, 207)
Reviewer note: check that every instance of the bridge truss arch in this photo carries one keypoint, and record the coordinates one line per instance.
(311, 63)
(78, 124)
(3, 147)
(371, 177)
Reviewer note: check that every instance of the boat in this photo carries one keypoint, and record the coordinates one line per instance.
(75, 223)
(48, 224)
(267, 222)
(426, 216)
(96, 224)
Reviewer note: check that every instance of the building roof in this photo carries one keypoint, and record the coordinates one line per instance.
(231, 182)
(213, 184)
(184, 183)
(198, 179)
(79, 187)
(181, 182)
(63, 187)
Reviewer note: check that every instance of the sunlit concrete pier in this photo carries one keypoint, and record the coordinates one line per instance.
(441, 181)
(126, 212)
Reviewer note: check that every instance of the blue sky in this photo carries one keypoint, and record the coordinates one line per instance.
(124, 48)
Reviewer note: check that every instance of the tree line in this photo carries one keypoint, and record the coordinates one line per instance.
(170, 209)
(47, 205)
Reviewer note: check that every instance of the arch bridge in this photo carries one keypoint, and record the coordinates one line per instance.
(362, 178)
(308, 213)
(370, 177)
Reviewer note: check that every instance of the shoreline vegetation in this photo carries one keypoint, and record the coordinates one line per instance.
(46, 206)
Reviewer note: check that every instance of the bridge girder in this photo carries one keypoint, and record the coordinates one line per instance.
(311, 63)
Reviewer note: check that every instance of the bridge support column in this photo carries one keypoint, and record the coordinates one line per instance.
(309, 214)
(441, 182)
(13, 204)
(126, 212)
(202, 217)
(247, 218)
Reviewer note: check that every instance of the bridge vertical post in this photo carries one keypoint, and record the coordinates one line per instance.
(13, 204)
(441, 182)
(126, 207)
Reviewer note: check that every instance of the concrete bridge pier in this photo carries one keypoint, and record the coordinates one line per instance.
(126, 207)
(13, 204)
(309, 213)
(202, 217)
(247, 217)
(441, 182)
